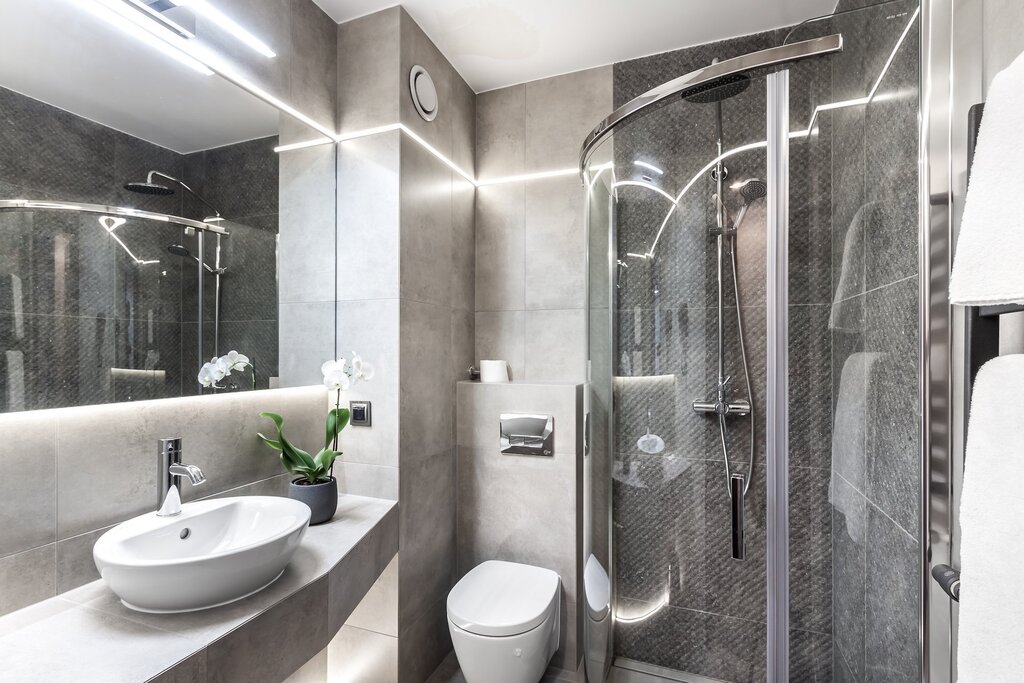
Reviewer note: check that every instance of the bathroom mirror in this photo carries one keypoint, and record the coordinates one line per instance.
(139, 208)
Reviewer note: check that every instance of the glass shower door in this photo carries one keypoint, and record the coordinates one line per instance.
(677, 417)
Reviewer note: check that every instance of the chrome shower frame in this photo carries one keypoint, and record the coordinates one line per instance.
(777, 570)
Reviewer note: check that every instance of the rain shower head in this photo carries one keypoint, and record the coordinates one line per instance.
(148, 188)
(718, 90)
(179, 250)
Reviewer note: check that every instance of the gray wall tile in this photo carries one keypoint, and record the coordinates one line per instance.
(27, 577)
(369, 196)
(555, 348)
(371, 328)
(426, 566)
(501, 132)
(500, 248)
(555, 256)
(28, 507)
(427, 254)
(307, 225)
(501, 335)
(306, 337)
(368, 66)
(560, 112)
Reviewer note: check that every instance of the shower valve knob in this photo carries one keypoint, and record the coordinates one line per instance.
(740, 407)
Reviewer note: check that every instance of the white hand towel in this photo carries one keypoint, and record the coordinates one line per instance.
(991, 647)
(987, 266)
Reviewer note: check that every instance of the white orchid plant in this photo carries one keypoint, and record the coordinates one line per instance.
(339, 375)
(212, 373)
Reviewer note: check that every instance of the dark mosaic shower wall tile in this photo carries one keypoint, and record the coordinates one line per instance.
(892, 142)
(689, 353)
(734, 588)
(810, 657)
(850, 208)
(892, 570)
(849, 542)
(241, 180)
(810, 221)
(893, 458)
(705, 644)
(810, 386)
(45, 149)
(143, 290)
(669, 637)
(660, 517)
(736, 650)
(841, 671)
(810, 550)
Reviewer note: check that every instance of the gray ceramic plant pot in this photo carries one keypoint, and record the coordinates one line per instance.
(322, 498)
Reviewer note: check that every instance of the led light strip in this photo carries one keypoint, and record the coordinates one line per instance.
(368, 132)
(205, 9)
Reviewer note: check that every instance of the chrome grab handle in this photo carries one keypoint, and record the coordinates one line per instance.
(737, 482)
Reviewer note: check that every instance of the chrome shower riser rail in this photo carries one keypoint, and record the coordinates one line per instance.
(667, 92)
(23, 204)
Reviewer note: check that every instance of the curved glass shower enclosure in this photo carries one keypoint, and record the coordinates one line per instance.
(753, 460)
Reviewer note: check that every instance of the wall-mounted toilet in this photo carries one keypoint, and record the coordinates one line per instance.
(504, 621)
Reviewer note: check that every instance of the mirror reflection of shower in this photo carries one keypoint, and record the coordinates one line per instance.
(722, 403)
(150, 187)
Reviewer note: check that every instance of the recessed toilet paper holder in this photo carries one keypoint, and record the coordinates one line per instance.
(527, 434)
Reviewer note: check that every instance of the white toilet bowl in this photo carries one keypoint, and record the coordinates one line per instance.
(504, 621)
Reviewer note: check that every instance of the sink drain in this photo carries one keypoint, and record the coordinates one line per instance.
(185, 533)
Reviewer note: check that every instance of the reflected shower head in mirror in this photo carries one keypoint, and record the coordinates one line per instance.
(183, 251)
(718, 90)
(151, 188)
(750, 191)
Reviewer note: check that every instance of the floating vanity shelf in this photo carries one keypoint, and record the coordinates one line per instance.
(87, 635)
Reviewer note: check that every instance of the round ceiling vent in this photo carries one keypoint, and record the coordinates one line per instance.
(424, 94)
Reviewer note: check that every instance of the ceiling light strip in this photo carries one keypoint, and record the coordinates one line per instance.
(134, 23)
(525, 177)
(205, 9)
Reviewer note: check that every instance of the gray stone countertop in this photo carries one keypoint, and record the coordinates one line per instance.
(87, 635)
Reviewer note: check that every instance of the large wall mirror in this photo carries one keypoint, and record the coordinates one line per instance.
(139, 213)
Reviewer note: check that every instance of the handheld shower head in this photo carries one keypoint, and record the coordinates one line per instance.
(750, 191)
(753, 189)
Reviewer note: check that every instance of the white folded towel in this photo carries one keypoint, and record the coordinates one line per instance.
(987, 266)
(991, 646)
(849, 438)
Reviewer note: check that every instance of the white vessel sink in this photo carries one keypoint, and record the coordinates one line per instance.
(213, 553)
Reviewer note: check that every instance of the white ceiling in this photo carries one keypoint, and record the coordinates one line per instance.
(495, 43)
(57, 52)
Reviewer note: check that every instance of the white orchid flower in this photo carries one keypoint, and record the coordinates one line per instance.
(235, 360)
(206, 375)
(337, 381)
(361, 370)
(219, 369)
(333, 366)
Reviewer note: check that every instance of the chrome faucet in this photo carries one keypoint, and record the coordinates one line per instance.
(169, 466)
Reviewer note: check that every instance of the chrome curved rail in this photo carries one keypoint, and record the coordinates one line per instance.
(11, 204)
(661, 95)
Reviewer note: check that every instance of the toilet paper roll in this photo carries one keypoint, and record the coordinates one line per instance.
(493, 371)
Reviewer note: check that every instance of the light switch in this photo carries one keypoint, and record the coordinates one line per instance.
(360, 413)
